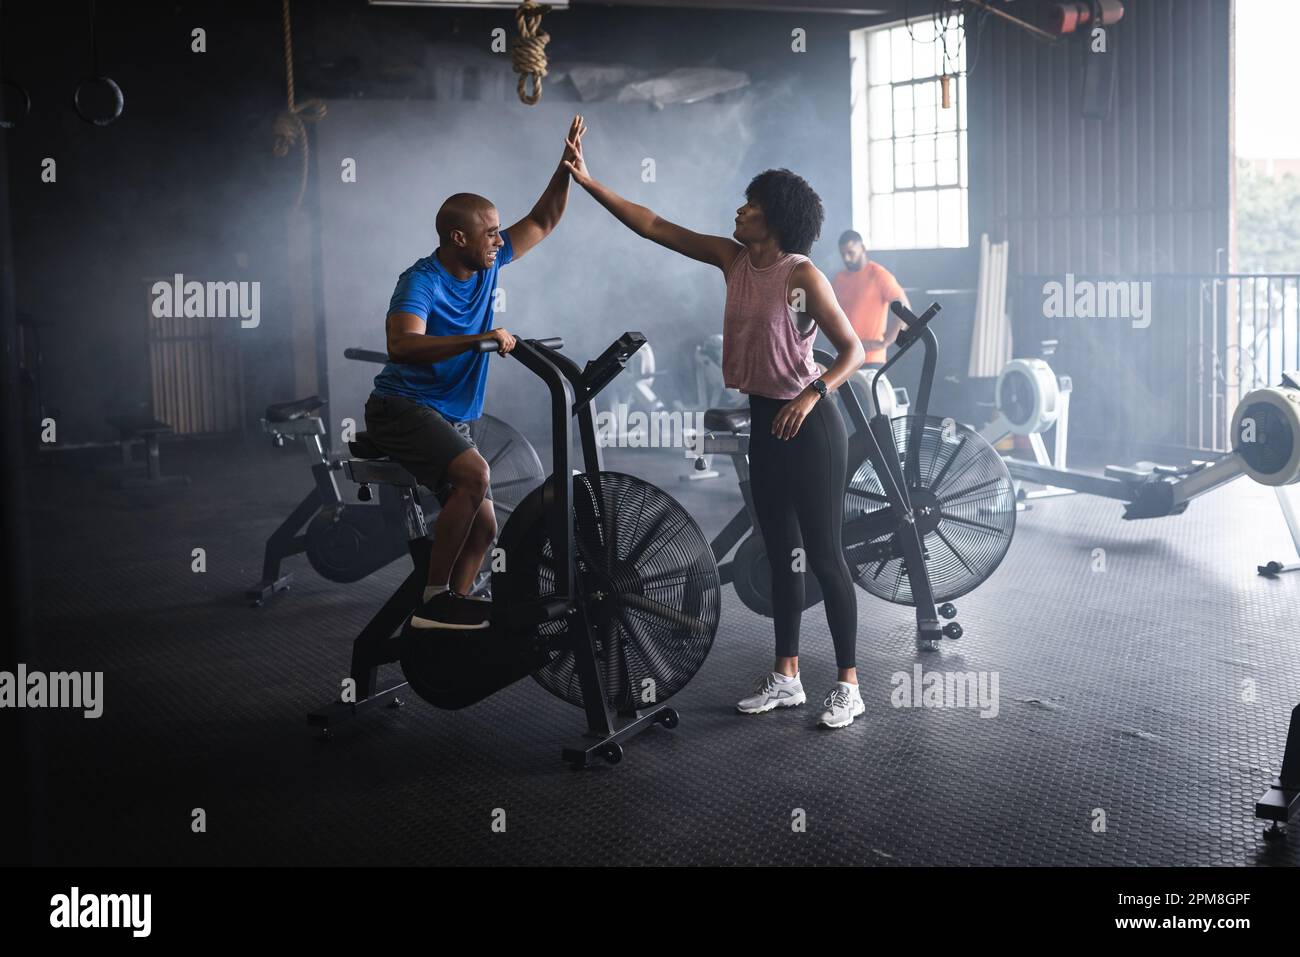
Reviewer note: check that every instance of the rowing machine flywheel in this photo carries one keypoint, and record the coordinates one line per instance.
(646, 582)
(860, 383)
(963, 503)
(1266, 435)
(1028, 395)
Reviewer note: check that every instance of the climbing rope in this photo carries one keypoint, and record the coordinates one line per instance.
(528, 50)
(290, 130)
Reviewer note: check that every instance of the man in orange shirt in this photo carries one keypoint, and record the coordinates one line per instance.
(865, 289)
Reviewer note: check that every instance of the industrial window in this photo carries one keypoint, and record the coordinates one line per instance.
(909, 152)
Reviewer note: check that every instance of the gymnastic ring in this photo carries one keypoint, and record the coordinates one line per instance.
(119, 101)
(8, 124)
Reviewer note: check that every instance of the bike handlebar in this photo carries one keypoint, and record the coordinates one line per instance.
(484, 345)
(912, 324)
(554, 342)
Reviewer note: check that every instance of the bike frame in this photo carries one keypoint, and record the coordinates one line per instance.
(875, 437)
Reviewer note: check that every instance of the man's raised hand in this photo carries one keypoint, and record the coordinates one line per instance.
(573, 159)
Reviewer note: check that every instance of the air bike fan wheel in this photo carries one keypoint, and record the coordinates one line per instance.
(646, 580)
(965, 508)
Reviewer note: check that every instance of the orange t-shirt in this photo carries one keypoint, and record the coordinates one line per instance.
(865, 296)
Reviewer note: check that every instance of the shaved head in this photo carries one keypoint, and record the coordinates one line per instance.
(461, 211)
(469, 234)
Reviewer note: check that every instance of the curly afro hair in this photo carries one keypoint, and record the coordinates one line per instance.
(792, 208)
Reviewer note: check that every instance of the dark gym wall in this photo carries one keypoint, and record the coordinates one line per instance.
(1144, 192)
(185, 180)
(18, 800)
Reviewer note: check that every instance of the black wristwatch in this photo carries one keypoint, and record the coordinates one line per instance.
(820, 387)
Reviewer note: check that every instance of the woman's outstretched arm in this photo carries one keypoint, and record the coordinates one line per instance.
(718, 251)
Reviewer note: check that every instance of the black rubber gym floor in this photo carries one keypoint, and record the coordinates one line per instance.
(1142, 708)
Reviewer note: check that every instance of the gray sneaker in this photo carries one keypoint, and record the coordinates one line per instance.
(772, 693)
(842, 705)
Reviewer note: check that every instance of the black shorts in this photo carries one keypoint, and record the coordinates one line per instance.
(418, 438)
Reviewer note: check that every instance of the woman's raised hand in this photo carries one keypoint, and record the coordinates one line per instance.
(573, 159)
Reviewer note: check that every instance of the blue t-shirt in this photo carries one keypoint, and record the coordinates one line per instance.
(449, 307)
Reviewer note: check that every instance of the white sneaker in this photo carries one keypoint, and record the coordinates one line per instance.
(773, 693)
(843, 704)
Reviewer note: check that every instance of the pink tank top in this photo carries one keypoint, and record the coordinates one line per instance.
(763, 352)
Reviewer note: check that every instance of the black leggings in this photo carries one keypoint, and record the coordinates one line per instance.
(798, 488)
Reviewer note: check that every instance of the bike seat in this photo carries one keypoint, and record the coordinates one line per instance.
(727, 420)
(363, 448)
(379, 472)
(297, 409)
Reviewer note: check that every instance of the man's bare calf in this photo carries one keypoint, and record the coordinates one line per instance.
(466, 525)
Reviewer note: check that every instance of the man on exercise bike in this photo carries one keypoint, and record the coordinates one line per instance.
(432, 388)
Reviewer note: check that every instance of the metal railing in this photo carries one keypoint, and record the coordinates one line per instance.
(1171, 370)
(1250, 334)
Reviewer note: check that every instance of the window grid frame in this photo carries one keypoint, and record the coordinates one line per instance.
(959, 130)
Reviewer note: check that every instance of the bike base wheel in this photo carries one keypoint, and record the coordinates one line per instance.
(752, 576)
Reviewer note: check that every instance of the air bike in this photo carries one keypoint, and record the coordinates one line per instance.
(929, 508)
(345, 542)
(603, 588)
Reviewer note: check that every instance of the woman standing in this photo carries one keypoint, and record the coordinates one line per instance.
(776, 301)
